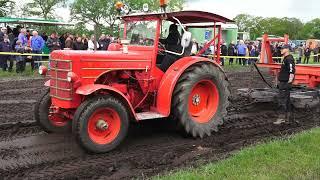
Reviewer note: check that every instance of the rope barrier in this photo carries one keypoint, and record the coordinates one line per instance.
(235, 57)
(254, 57)
(22, 54)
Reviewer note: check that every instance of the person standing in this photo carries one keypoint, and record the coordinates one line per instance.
(5, 46)
(37, 44)
(315, 53)
(252, 53)
(286, 77)
(44, 36)
(300, 53)
(23, 37)
(3, 32)
(85, 41)
(108, 41)
(231, 52)
(241, 51)
(194, 48)
(224, 52)
(91, 43)
(78, 44)
(102, 42)
(20, 60)
(307, 53)
(68, 45)
(53, 42)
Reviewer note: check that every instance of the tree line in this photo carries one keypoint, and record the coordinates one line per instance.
(103, 14)
(294, 27)
(100, 13)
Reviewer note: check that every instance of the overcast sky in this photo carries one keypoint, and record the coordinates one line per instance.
(303, 9)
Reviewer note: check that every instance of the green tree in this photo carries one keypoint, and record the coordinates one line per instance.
(154, 5)
(43, 8)
(311, 29)
(6, 6)
(102, 13)
(97, 12)
(257, 26)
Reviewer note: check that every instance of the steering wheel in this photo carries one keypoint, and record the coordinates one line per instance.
(161, 49)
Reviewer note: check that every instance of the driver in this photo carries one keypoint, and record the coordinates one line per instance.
(173, 40)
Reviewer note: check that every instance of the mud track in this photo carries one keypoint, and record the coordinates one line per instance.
(152, 147)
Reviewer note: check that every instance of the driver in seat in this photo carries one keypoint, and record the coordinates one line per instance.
(172, 43)
(173, 40)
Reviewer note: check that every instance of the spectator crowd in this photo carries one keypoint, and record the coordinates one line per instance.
(247, 52)
(21, 40)
(242, 50)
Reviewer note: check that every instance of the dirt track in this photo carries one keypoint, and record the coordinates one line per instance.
(152, 147)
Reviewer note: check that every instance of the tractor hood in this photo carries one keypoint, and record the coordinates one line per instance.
(102, 55)
(90, 65)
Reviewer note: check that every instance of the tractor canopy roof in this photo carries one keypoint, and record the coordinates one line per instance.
(185, 17)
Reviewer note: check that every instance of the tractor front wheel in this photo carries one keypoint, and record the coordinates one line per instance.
(50, 123)
(200, 99)
(102, 124)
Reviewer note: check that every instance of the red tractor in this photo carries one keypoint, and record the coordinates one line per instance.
(97, 93)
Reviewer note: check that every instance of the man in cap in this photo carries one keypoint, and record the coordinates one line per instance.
(286, 77)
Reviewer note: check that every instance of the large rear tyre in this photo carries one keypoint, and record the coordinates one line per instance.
(200, 99)
(102, 124)
(50, 124)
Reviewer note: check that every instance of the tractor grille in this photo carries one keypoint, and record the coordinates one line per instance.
(60, 88)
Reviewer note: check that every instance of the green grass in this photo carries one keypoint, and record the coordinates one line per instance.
(27, 73)
(295, 158)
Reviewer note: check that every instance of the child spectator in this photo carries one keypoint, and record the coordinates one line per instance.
(20, 60)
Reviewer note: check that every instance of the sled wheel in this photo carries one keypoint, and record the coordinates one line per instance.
(102, 125)
(50, 124)
(201, 99)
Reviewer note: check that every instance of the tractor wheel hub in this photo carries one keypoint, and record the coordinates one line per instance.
(102, 125)
(196, 99)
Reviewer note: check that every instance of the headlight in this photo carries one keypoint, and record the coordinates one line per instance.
(43, 70)
(69, 79)
(72, 77)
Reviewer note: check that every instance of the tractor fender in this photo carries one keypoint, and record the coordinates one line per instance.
(86, 90)
(47, 83)
(171, 77)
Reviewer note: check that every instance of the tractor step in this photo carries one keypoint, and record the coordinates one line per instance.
(149, 115)
(300, 98)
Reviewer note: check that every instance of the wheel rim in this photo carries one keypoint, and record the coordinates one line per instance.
(203, 101)
(104, 126)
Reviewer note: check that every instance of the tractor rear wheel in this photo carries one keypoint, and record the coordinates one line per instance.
(102, 124)
(201, 99)
(50, 124)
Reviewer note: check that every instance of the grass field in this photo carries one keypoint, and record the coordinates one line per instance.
(26, 73)
(295, 158)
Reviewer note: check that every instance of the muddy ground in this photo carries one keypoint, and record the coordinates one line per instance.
(152, 147)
